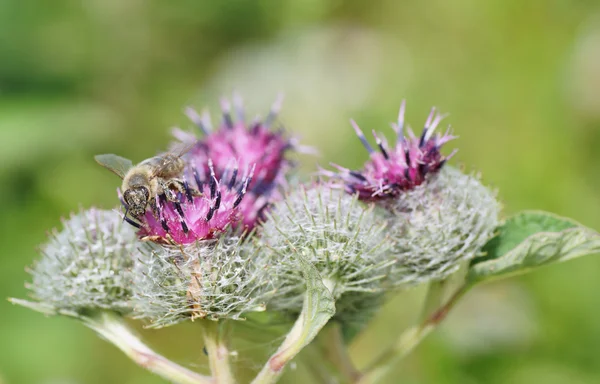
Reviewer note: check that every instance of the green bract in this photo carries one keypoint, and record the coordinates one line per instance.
(440, 224)
(344, 240)
(87, 265)
(213, 279)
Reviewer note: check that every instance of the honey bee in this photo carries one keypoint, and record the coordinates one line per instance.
(145, 182)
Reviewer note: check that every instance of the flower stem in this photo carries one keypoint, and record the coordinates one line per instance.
(111, 327)
(337, 353)
(433, 299)
(291, 346)
(317, 309)
(410, 339)
(218, 354)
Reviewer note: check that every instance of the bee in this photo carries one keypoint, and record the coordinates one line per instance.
(151, 179)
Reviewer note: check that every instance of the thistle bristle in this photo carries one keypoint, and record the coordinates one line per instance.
(87, 265)
(342, 239)
(361, 136)
(390, 172)
(216, 279)
(439, 225)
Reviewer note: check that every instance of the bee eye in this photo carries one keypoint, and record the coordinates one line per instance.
(127, 196)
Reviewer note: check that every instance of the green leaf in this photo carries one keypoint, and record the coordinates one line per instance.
(318, 308)
(530, 240)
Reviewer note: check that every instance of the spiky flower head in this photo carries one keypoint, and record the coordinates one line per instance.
(201, 213)
(215, 279)
(87, 265)
(397, 168)
(343, 239)
(237, 144)
(440, 224)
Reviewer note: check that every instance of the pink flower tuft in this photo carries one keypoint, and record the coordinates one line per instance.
(253, 144)
(198, 217)
(238, 145)
(391, 171)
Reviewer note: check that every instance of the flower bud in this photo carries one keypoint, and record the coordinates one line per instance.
(343, 239)
(87, 265)
(440, 224)
(216, 279)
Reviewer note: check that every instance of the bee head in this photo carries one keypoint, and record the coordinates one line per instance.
(136, 199)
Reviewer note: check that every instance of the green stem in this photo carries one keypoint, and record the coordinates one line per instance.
(111, 327)
(433, 299)
(409, 340)
(218, 354)
(291, 346)
(337, 353)
(317, 309)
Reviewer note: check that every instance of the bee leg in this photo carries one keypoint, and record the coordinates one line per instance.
(126, 217)
(156, 239)
(184, 187)
(154, 207)
(173, 185)
(164, 191)
(134, 223)
(171, 196)
(167, 239)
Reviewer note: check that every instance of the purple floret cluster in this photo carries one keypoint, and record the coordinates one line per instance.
(232, 175)
(202, 216)
(401, 167)
(236, 171)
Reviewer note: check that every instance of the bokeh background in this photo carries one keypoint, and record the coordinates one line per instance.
(521, 81)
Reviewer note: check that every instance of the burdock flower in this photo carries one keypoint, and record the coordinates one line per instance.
(439, 225)
(401, 167)
(236, 144)
(87, 265)
(438, 217)
(333, 231)
(86, 273)
(202, 213)
(215, 279)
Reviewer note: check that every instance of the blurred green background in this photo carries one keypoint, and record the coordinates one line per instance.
(521, 81)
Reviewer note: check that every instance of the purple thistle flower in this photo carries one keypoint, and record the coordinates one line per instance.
(246, 144)
(392, 170)
(237, 145)
(199, 216)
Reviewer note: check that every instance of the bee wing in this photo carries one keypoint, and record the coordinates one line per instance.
(117, 164)
(175, 152)
(181, 149)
